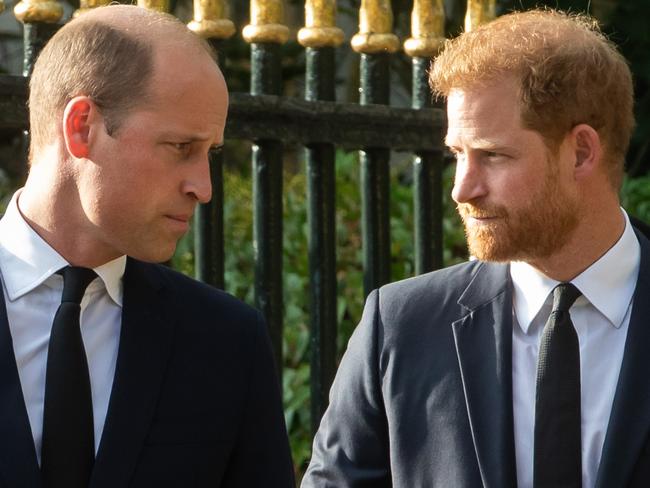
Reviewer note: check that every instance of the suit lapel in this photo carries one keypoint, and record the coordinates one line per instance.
(629, 422)
(145, 345)
(484, 344)
(18, 464)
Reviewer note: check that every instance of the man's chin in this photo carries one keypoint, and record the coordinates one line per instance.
(503, 251)
(160, 255)
(483, 253)
(488, 248)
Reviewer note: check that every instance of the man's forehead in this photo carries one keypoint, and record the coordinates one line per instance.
(483, 113)
(495, 90)
(455, 99)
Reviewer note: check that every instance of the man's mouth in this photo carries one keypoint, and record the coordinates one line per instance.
(479, 220)
(179, 222)
(180, 217)
(472, 215)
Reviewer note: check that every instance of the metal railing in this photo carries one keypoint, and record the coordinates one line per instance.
(318, 123)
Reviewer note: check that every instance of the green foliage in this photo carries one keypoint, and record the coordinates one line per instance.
(635, 197)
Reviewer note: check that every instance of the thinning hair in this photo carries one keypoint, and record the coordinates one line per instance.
(106, 55)
(568, 72)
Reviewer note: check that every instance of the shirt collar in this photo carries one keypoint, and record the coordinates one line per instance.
(608, 284)
(27, 260)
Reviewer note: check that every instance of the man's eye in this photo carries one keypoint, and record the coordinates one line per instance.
(181, 146)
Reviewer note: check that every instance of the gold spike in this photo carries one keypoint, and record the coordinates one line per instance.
(30, 11)
(159, 5)
(87, 5)
(210, 20)
(479, 12)
(375, 28)
(427, 29)
(320, 25)
(266, 23)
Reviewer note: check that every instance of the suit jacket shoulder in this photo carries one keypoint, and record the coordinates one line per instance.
(193, 297)
(421, 307)
(397, 414)
(196, 395)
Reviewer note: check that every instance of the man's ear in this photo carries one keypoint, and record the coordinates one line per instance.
(77, 117)
(587, 149)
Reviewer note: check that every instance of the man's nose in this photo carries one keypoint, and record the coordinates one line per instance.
(198, 183)
(469, 182)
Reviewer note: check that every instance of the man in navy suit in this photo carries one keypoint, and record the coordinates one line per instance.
(125, 104)
(445, 381)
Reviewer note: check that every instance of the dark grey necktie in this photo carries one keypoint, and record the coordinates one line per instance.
(558, 457)
(68, 449)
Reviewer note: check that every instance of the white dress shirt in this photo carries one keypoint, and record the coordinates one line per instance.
(601, 317)
(32, 293)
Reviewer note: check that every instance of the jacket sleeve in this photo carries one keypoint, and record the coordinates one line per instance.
(351, 446)
(262, 456)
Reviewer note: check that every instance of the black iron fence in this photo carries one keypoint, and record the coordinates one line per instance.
(318, 123)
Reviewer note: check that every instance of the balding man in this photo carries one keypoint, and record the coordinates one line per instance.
(116, 372)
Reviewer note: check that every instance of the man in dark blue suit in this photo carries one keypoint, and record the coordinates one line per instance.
(527, 366)
(176, 385)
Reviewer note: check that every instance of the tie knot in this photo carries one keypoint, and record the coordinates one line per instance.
(564, 296)
(75, 282)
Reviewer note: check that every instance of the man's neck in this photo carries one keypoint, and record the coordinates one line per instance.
(50, 212)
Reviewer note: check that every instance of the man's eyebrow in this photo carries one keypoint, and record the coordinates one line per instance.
(189, 137)
(481, 145)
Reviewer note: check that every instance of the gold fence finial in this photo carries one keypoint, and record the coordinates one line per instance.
(320, 25)
(87, 5)
(30, 11)
(266, 23)
(375, 28)
(159, 5)
(2, 6)
(427, 29)
(479, 12)
(211, 20)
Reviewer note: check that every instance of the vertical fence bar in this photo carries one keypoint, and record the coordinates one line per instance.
(210, 22)
(479, 12)
(427, 36)
(266, 34)
(39, 19)
(320, 37)
(375, 41)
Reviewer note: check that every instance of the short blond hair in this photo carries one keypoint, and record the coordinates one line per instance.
(569, 73)
(106, 55)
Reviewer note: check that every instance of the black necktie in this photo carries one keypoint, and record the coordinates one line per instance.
(558, 458)
(68, 449)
